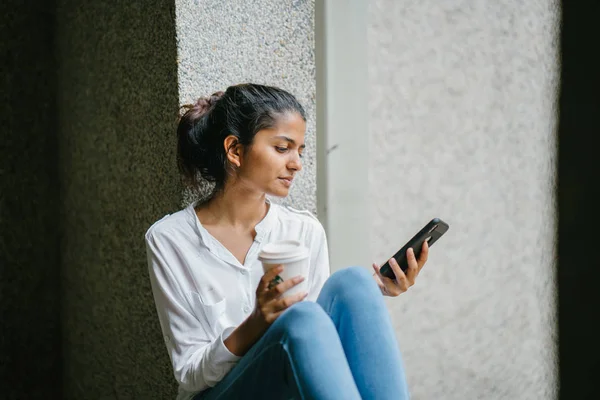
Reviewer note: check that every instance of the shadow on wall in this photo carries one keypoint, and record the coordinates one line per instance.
(88, 157)
(29, 258)
(579, 202)
(118, 102)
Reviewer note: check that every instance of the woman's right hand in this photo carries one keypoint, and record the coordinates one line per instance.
(269, 303)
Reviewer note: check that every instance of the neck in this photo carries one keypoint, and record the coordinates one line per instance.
(235, 207)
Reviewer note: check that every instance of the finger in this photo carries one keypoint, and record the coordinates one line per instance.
(266, 279)
(288, 301)
(395, 267)
(388, 287)
(275, 307)
(378, 276)
(401, 279)
(413, 266)
(385, 281)
(281, 288)
(424, 254)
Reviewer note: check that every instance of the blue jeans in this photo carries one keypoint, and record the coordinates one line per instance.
(341, 347)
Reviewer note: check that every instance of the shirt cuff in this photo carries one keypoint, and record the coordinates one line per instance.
(220, 354)
(228, 356)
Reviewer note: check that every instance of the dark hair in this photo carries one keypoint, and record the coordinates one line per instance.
(242, 111)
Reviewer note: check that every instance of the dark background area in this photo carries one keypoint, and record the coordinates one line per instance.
(30, 338)
(57, 307)
(579, 202)
(87, 164)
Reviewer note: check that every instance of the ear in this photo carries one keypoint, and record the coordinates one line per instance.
(233, 150)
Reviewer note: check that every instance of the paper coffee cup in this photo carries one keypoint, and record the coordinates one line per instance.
(293, 256)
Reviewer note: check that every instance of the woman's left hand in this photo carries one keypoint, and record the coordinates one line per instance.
(403, 281)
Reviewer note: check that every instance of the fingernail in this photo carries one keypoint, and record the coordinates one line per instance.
(411, 251)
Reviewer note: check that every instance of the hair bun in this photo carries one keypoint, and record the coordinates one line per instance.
(203, 105)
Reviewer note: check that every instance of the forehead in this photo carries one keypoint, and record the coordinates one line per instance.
(290, 124)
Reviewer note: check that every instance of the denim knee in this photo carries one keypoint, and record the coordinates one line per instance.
(303, 320)
(354, 282)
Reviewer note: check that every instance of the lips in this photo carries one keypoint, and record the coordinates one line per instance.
(287, 181)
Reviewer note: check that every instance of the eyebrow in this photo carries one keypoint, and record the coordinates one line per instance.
(292, 141)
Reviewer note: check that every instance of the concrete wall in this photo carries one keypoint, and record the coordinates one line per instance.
(263, 41)
(29, 259)
(117, 95)
(462, 127)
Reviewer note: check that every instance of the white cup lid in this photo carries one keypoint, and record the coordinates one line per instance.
(284, 249)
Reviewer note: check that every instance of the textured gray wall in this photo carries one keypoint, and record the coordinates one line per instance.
(462, 120)
(263, 41)
(29, 258)
(118, 106)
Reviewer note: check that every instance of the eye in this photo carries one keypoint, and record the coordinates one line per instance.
(281, 149)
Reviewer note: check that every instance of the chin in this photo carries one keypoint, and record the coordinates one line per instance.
(279, 192)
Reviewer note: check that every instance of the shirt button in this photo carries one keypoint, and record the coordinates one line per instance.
(246, 309)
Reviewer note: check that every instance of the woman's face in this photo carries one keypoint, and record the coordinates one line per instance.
(272, 161)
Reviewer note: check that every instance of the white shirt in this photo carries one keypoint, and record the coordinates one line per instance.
(202, 292)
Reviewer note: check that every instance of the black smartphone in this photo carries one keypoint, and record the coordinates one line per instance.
(430, 233)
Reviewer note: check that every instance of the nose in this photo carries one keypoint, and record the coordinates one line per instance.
(295, 164)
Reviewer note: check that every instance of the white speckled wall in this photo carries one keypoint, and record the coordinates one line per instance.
(264, 41)
(462, 127)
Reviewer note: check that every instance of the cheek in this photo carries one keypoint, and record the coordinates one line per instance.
(264, 164)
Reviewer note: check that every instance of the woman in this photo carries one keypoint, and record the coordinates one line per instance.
(229, 333)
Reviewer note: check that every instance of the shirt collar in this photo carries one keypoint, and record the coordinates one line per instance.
(262, 228)
(266, 224)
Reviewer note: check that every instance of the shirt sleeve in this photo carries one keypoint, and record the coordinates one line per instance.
(199, 360)
(319, 263)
